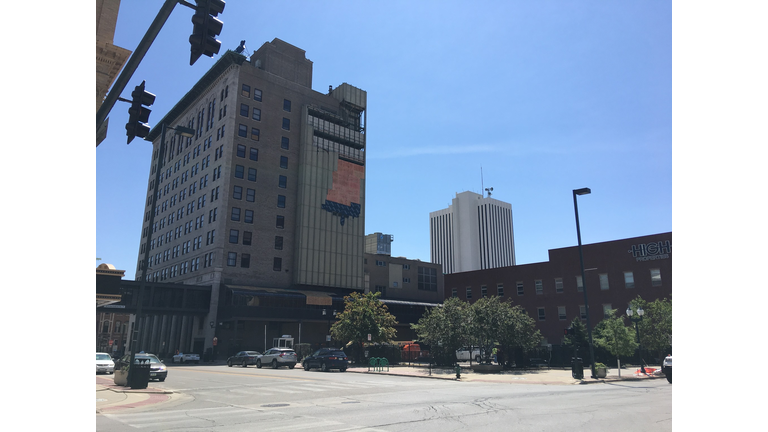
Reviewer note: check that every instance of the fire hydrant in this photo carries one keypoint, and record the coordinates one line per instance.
(458, 371)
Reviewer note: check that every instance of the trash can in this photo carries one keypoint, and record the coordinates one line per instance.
(139, 374)
(577, 368)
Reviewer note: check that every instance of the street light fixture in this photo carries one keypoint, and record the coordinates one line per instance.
(576, 192)
(187, 133)
(636, 320)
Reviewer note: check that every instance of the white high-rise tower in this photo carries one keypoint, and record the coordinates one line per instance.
(473, 233)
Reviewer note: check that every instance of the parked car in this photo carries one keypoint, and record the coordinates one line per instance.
(277, 357)
(186, 358)
(327, 359)
(104, 363)
(666, 367)
(243, 358)
(462, 354)
(157, 369)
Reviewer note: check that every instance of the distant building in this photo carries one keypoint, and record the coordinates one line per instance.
(378, 243)
(473, 233)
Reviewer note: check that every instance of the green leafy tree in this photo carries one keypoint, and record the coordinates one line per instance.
(656, 325)
(518, 330)
(615, 337)
(486, 320)
(364, 314)
(444, 329)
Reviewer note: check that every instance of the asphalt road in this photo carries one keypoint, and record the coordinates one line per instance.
(222, 399)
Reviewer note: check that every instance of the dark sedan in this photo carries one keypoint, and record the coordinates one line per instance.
(243, 358)
(327, 359)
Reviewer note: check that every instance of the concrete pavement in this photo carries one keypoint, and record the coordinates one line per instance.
(111, 398)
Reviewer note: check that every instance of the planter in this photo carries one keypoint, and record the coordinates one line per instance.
(121, 377)
(602, 372)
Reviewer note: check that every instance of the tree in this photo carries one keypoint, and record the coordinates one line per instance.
(486, 319)
(444, 329)
(364, 315)
(656, 325)
(615, 337)
(518, 330)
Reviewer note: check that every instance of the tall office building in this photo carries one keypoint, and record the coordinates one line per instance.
(270, 190)
(473, 233)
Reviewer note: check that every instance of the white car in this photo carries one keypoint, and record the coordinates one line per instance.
(666, 367)
(186, 358)
(104, 363)
(462, 354)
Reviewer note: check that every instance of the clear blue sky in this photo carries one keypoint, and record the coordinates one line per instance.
(541, 97)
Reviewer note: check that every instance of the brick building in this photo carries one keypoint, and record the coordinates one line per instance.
(616, 273)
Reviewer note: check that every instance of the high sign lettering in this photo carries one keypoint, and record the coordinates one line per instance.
(651, 251)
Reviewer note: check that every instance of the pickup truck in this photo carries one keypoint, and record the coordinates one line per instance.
(462, 354)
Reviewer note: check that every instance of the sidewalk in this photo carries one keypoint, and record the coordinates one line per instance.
(547, 376)
(112, 398)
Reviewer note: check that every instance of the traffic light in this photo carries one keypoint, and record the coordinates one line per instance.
(138, 114)
(205, 29)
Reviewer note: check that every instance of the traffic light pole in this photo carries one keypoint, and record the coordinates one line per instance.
(133, 62)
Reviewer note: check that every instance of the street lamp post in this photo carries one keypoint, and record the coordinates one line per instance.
(584, 191)
(185, 132)
(636, 320)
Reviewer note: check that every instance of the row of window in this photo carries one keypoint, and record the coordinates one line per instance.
(561, 315)
(245, 261)
(182, 268)
(629, 282)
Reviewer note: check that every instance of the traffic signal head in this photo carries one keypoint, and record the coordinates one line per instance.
(205, 29)
(138, 115)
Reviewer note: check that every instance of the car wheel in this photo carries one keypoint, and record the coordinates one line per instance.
(161, 379)
(274, 364)
(477, 359)
(229, 363)
(306, 366)
(245, 363)
(258, 364)
(291, 366)
(343, 369)
(324, 367)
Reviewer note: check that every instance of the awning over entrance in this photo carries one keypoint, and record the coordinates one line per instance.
(311, 297)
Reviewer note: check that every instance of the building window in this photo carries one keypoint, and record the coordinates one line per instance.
(469, 293)
(281, 201)
(242, 131)
(239, 171)
(244, 110)
(245, 260)
(256, 114)
(284, 143)
(278, 242)
(406, 280)
(582, 312)
(558, 285)
(454, 292)
(603, 281)
(255, 134)
(520, 288)
(655, 277)
(256, 94)
(253, 154)
(237, 192)
(500, 290)
(248, 218)
(579, 284)
(247, 238)
(277, 264)
(234, 236)
(246, 90)
(539, 286)
(286, 105)
(286, 123)
(280, 222)
(250, 195)
(427, 278)
(561, 313)
(629, 280)
(542, 314)
(235, 214)
(380, 289)
(483, 291)
(381, 263)
(252, 174)
(283, 162)
(282, 182)
(607, 311)
(406, 266)
(240, 150)
(232, 259)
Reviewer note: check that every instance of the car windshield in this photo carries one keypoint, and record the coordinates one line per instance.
(103, 357)
(338, 353)
(152, 359)
(252, 353)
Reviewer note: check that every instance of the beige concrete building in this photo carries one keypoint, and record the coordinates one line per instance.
(110, 58)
